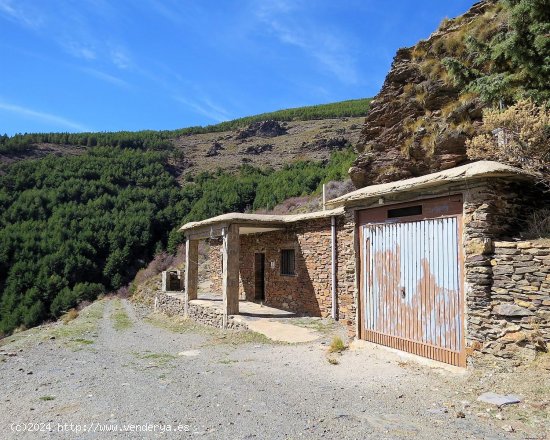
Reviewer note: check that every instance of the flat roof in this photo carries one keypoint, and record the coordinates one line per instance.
(474, 170)
(266, 220)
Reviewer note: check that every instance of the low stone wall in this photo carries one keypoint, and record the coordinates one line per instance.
(519, 321)
(213, 317)
(169, 304)
(174, 306)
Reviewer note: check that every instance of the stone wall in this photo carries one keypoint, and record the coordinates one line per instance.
(493, 210)
(172, 305)
(215, 265)
(346, 282)
(519, 319)
(310, 290)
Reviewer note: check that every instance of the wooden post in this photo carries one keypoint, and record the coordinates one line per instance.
(191, 271)
(230, 282)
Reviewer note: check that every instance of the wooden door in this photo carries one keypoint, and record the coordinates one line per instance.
(259, 277)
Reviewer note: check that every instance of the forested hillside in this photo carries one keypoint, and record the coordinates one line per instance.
(74, 227)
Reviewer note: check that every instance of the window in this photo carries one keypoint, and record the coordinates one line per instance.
(288, 265)
(405, 212)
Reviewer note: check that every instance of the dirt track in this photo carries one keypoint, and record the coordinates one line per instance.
(112, 368)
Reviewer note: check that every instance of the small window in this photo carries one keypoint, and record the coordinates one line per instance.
(288, 262)
(405, 212)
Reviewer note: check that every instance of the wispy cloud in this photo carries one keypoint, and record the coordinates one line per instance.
(17, 14)
(205, 107)
(80, 50)
(120, 57)
(329, 50)
(48, 118)
(106, 77)
(71, 28)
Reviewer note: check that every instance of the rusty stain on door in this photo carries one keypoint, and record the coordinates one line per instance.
(412, 297)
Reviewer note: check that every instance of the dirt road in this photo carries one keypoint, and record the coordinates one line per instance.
(115, 373)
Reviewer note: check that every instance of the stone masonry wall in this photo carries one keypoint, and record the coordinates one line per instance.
(215, 266)
(309, 291)
(172, 305)
(492, 211)
(345, 272)
(519, 321)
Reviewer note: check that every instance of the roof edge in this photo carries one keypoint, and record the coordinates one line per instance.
(268, 219)
(474, 170)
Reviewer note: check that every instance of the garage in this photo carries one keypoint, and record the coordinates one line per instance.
(411, 290)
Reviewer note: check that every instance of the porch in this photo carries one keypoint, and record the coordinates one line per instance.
(275, 324)
(238, 230)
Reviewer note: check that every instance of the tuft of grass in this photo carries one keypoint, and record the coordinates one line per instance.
(46, 398)
(121, 320)
(337, 345)
(69, 316)
(83, 341)
(332, 361)
(158, 359)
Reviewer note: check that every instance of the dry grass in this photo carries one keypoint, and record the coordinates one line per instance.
(69, 316)
(337, 345)
(538, 225)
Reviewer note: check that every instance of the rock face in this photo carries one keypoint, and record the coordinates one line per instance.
(418, 123)
(330, 144)
(268, 128)
(214, 149)
(258, 149)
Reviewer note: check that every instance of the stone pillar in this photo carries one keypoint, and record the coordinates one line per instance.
(230, 281)
(191, 271)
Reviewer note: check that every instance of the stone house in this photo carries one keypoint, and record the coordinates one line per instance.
(418, 265)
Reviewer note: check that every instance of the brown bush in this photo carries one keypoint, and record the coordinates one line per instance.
(518, 135)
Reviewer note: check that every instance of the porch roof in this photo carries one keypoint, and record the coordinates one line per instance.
(250, 223)
(471, 171)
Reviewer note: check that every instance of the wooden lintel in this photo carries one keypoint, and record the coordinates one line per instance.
(205, 232)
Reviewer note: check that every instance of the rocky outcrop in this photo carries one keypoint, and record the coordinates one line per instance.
(329, 144)
(258, 149)
(214, 149)
(268, 128)
(418, 122)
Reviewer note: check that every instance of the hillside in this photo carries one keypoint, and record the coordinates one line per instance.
(92, 209)
(433, 98)
(299, 133)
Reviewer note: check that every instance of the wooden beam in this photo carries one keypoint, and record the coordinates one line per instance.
(205, 232)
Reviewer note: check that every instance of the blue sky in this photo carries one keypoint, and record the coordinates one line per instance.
(99, 65)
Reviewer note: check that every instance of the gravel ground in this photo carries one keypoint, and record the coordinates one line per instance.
(115, 368)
